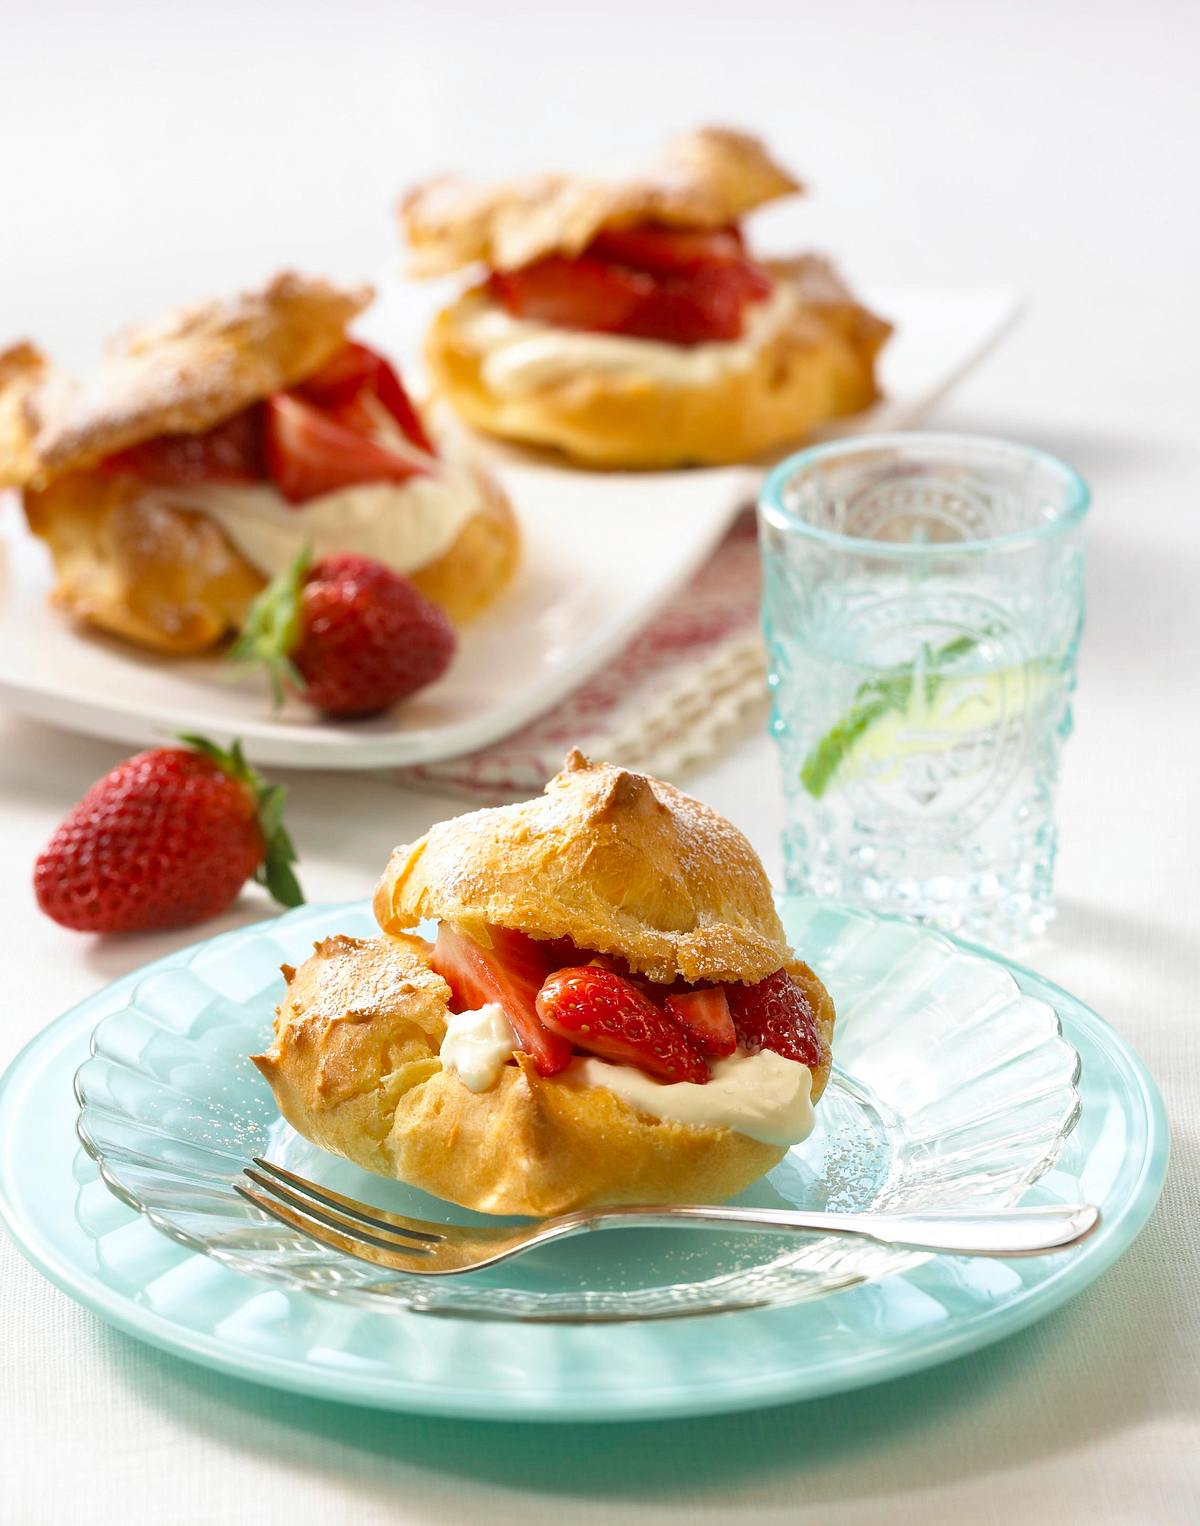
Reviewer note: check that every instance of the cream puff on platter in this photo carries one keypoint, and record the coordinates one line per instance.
(626, 322)
(610, 1011)
(209, 448)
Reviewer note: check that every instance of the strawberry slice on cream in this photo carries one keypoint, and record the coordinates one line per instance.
(339, 463)
(607, 1015)
(704, 1014)
(213, 446)
(310, 453)
(678, 286)
(623, 319)
(511, 973)
(308, 441)
(346, 385)
(568, 1008)
(231, 452)
(673, 1052)
(775, 1014)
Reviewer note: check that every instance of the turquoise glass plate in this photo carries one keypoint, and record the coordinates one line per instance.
(1110, 1148)
(952, 1088)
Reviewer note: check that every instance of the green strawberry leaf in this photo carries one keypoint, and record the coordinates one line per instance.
(273, 627)
(275, 870)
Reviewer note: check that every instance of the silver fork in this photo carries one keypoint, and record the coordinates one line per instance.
(427, 1249)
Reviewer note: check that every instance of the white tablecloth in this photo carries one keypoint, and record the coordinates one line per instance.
(149, 156)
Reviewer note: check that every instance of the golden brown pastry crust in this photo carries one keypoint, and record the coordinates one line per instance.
(166, 578)
(180, 374)
(472, 573)
(354, 1067)
(170, 579)
(620, 863)
(157, 574)
(26, 376)
(819, 365)
(703, 179)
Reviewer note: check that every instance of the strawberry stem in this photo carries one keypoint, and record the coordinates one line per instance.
(275, 870)
(273, 627)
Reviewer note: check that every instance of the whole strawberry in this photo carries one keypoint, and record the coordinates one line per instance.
(351, 636)
(167, 838)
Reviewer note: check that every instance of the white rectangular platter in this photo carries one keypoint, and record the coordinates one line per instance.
(601, 553)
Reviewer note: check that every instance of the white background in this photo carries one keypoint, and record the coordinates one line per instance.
(149, 153)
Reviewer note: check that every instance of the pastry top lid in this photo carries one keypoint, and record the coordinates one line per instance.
(704, 179)
(179, 374)
(618, 862)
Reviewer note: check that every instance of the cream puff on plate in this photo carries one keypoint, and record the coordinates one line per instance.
(610, 1011)
(209, 448)
(627, 323)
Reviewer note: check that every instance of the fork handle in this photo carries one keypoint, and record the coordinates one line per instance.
(995, 1232)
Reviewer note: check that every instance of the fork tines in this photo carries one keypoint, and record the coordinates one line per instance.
(301, 1204)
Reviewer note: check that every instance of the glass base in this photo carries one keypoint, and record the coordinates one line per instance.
(985, 910)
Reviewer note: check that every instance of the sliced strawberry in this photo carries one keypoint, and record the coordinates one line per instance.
(354, 414)
(453, 958)
(776, 1014)
(667, 251)
(392, 394)
(511, 972)
(524, 957)
(351, 369)
(230, 452)
(338, 386)
(653, 989)
(705, 1016)
(703, 267)
(704, 306)
(309, 454)
(579, 294)
(688, 307)
(755, 282)
(561, 951)
(608, 1016)
(611, 962)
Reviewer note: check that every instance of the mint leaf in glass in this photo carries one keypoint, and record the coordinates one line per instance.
(873, 699)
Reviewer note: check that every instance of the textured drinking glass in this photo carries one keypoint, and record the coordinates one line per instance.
(923, 602)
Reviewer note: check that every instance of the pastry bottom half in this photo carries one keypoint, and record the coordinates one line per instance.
(819, 367)
(354, 1067)
(171, 580)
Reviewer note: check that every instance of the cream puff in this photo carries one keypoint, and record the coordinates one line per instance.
(610, 1011)
(625, 322)
(210, 447)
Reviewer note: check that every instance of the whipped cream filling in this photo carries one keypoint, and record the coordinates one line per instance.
(478, 1045)
(404, 525)
(761, 1095)
(520, 355)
